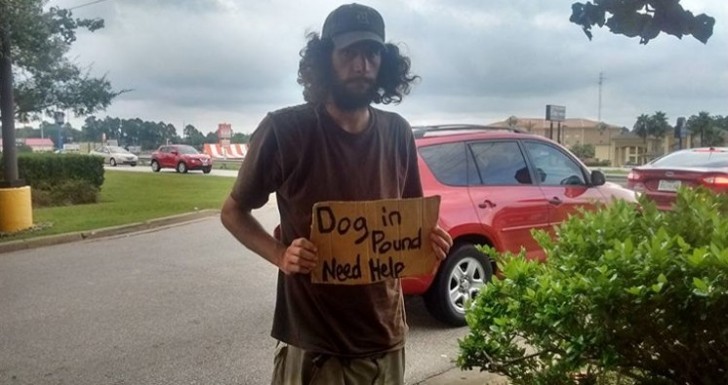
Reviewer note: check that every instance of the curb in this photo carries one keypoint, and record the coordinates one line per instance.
(457, 376)
(50, 240)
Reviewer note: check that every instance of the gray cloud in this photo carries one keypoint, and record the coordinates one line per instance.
(210, 61)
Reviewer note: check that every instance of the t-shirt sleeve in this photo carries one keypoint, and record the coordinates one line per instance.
(260, 173)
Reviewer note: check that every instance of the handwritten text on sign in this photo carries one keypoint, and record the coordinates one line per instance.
(365, 242)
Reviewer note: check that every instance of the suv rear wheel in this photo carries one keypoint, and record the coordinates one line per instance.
(459, 279)
(155, 166)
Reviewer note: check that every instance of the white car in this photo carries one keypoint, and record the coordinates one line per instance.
(114, 155)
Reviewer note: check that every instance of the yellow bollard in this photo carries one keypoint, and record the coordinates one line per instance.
(16, 209)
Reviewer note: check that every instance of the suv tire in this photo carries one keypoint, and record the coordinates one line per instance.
(465, 271)
(182, 167)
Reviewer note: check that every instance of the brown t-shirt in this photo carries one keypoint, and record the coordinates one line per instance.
(303, 156)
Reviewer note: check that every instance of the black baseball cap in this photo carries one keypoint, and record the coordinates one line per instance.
(351, 23)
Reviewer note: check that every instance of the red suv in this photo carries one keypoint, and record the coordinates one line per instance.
(496, 186)
(180, 157)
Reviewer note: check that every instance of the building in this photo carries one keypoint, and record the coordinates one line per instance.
(36, 144)
(611, 143)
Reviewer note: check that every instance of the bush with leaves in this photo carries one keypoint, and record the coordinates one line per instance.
(65, 193)
(628, 295)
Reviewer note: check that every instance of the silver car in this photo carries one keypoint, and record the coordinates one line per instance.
(114, 155)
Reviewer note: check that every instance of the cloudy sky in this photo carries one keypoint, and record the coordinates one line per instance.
(205, 62)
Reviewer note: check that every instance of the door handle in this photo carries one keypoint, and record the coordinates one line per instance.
(555, 201)
(486, 204)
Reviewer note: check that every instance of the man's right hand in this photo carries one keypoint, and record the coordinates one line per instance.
(300, 257)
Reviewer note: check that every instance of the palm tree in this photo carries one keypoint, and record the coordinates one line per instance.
(658, 126)
(699, 124)
(640, 127)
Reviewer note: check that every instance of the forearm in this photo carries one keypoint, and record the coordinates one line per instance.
(248, 231)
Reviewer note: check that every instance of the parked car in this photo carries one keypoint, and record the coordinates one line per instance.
(660, 179)
(180, 157)
(496, 185)
(114, 155)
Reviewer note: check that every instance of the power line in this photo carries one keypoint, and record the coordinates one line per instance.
(89, 3)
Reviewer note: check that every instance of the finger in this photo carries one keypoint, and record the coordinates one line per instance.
(307, 261)
(444, 234)
(439, 253)
(304, 244)
(304, 254)
(438, 241)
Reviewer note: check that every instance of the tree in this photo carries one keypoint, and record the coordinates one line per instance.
(192, 136)
(640, 127)
(658, 126)
(655, 126)
(584, 151)
(130, 132)
(643, 18)
(211, 137)
(240, 137)
(33, 47)
(711, 129)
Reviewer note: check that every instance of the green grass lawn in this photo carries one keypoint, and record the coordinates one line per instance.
(129, 197)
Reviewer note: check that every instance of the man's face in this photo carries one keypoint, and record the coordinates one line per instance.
(355, 74)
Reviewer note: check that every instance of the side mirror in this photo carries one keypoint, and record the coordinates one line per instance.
(175, 152)
(598, 178)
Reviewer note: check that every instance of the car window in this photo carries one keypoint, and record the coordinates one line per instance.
(694, 158)
(500, 163)
(553, 166)
(448, 162)
(187, 150)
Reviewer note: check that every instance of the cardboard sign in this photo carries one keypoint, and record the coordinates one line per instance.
(370, 241)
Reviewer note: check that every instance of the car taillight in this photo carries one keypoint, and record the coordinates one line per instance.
(634, 176)
(721, 181)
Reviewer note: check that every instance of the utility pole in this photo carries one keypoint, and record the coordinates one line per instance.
(599, 118)
(7, 109)
(601, 81)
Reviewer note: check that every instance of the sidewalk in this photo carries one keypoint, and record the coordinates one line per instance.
(455, 376)
(51, 240)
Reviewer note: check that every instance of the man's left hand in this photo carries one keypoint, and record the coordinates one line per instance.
(441, 242)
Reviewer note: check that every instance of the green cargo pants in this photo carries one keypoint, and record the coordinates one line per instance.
(294, 366)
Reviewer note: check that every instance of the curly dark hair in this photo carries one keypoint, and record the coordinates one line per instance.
(315, 72)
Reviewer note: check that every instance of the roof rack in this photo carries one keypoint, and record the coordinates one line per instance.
(421, 131)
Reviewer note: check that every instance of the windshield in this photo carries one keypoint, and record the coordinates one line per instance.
(187, 150)
(694, 158)
(118, 150)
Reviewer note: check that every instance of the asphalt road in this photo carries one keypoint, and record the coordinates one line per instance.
(143, 168)
(179, 305)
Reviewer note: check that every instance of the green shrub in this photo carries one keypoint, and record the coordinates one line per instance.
(48, 169)
(65, 193)
(628, 295)
(597, 162)
(41, 198)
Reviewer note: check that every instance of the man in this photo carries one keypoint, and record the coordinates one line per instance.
(333, 148)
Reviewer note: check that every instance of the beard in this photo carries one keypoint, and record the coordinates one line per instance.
(347, 98)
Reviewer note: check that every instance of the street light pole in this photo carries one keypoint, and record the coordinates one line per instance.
(58, 116)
